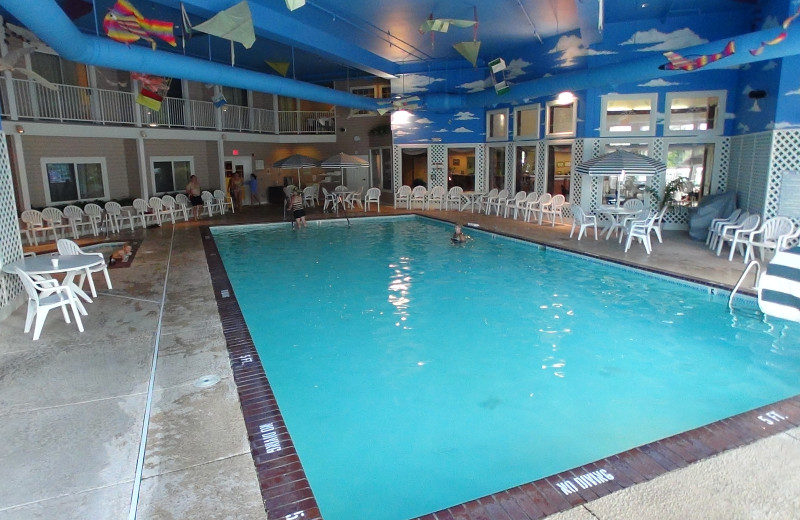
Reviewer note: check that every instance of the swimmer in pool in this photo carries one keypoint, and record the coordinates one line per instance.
(458, 236)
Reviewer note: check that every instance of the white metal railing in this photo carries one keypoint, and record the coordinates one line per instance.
(69, 103)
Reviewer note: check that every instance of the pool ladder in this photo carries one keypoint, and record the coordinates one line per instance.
(752, 263)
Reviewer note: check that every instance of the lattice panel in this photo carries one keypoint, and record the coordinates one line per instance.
(575, 178)
(594, 188)
(596, 146)
(723, 166)
(397, 168)
(481, 178)
(437, 159)
(541, 169)
(10, 244)
(511, 179)
(785, 156)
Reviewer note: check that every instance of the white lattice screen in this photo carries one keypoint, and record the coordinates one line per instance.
(511, 179)
(749, 168)
(437, 159)
(541, 171)
(785, 157)
(397, 168)
(10, 245)
(575, 191)
(481, 169)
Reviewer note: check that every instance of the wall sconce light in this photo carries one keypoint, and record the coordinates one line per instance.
(20, 129)
(565, 98)
(143, 133)
(224, 136)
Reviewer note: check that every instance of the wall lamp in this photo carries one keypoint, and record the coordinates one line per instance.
(20, 129)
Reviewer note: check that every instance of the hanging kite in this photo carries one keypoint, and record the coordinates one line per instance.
(678, 62)
(125, 24)
(295, 4)
(469, 49)
(9, 62)
(152, 90)
(778, 39)
(281, 67)
(234, 24)
(443, 24)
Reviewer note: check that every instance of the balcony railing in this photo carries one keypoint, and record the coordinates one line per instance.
(71, 104)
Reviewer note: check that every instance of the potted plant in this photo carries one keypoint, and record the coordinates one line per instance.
(678, 184)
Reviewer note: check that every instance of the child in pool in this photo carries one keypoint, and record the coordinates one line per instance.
(458, 236)
(122, 255)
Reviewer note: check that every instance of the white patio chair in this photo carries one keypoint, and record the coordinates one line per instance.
(511, 203)
(403, 196)
(553, 209)
(308, 197)
(316, 194)
(331, 198)
(418, 194)
(436, 196)
(94, 214)
(116, 216)
(521, 206)
(659, 223)
(223, 200)
(737, 234)
(767, 236)
(353, 198)
(454, 198)
(536, 207)
(583, 221)
(44, 295)
(183, 204)
(160, 210)
(483, 200)
(209, 203)
(496, 202)
(373, 196)
(34, 223)
(171, 205)
(143, 211)
(77, 219)
(637, 206)
(640, 229)
(68, 247)
(716, 225)
(341, 187)
(54, 218)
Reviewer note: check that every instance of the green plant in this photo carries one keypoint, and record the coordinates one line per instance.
(670, 189)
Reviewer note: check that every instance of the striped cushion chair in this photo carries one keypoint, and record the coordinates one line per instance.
(779, 286)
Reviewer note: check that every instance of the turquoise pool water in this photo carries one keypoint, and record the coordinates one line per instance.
(415, 374)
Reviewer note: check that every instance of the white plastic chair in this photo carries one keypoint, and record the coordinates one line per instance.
(583, 221)
(330, 198)
(522, 205)
(659, 223)
(536, 207)
(209, 203)
(341, 187)
(171, 205)
(75, 216)
(511, 203)
(316, 194)
(640, 229)
(373, 196)
(115, 216)
(54, 218)
(159, 210)
(454, 197)
(483, 200)
(44, 295)
(418, 194)
(716, 225)
(403, 196)
(68, 247)
(34, 223)
(768, 236)
(143, 212)
(436, 196)
(223, 200)
(354, 198)
(496, 201)
(553, 209)
(737, 234)
(183, 204)
(308, 196)
(94, 214)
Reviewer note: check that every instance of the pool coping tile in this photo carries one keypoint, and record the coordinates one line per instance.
(286, 491)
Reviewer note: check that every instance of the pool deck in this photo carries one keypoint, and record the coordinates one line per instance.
(76, 406)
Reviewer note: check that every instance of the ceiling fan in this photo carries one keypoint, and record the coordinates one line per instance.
(399, 103)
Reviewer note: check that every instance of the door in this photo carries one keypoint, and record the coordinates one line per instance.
(243, 165)
(355, 178)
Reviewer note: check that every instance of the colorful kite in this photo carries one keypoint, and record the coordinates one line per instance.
(678, 62)
(152, 91)
(782, 36)
(125, 24)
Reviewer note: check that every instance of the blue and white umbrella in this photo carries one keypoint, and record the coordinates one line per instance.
(621, 163)
(342, 160)
(296, 162)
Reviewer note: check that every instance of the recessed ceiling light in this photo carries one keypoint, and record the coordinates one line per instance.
(644, 5)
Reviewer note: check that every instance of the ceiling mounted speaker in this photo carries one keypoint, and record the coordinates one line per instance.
(757, 94)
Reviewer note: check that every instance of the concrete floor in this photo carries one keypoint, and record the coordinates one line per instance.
(74, 406)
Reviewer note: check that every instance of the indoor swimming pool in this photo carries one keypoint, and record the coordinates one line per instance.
(414, 374)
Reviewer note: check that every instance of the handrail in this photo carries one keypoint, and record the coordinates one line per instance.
(111, 107)
(741, 279)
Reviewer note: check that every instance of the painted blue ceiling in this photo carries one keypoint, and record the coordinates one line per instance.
(329, 39)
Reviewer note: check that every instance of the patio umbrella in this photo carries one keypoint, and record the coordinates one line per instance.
(621, 163)
(342, 160)
(296, 162)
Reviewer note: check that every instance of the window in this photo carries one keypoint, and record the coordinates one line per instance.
(497, 125)
(617, 188)
(695, 162)
(628, 114)
(526, 122)
(561, 119)
(695, 112)
(171, 173)
(526, 168)
(369, 91)
(74, 178)
(461, 168)
(497, 167)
